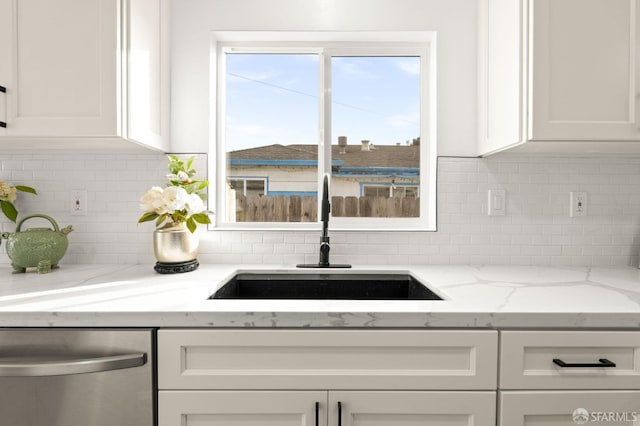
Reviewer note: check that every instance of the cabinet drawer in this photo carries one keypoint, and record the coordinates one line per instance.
(561, 408)
(527, 360)
(327, 359)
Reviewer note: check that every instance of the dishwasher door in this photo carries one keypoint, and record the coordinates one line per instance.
(77, 377)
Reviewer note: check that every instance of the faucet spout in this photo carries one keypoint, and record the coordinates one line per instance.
(325, 248)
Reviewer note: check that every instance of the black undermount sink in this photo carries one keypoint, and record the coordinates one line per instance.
(336, 286)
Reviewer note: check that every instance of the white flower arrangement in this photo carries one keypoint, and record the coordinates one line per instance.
(180, 201)
(8, 195)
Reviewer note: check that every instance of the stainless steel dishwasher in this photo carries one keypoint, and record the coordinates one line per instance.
(77, 377)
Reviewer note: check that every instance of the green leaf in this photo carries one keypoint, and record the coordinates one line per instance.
(26, 189)
(175, 164)
(191, 224)
(9, 210)
(147, 217)
(201, 218)
(179, 216)
(161, 219)
(189, 187)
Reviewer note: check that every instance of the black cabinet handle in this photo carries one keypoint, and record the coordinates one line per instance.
(317, 413)
(603, 362)
(3, 90)
(339, 413)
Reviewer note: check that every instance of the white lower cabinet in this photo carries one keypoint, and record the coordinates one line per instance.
(314, 408)
(327, 377)
(398, 377)
(564, 378)
(561, 408)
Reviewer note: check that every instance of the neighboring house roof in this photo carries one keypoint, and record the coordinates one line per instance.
(383, 156)
(275, 152)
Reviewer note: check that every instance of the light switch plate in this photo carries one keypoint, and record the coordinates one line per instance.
(497, 202)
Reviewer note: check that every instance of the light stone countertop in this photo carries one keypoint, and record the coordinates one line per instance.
(479, 297)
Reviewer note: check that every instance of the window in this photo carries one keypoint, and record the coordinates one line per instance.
(247, 187)
(390, 191)
(288, 113)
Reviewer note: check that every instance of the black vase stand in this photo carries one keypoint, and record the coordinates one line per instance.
(177, 267)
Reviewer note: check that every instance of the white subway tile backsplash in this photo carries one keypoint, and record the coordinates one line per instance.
(536, 229)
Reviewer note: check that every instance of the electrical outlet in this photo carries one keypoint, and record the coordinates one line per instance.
(578, 204)
(497, 202)
(78, 203)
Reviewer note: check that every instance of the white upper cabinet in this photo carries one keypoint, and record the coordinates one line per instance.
(87, 73)
(559, 75)
(147, 72)
(59, 67)
(584, 79)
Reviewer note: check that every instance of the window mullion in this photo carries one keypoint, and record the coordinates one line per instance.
(324, 158)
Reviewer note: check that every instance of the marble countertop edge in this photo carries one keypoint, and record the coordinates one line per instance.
(475, 297)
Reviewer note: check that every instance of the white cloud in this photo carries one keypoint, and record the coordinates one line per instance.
(355, 70)
(410, 66)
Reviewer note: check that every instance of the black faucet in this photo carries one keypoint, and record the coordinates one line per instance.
(324, 239)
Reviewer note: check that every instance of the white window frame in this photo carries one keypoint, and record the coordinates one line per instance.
(328, 45)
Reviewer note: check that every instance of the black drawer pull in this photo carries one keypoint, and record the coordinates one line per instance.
(339, 413)
(603, 362)
(3, 90)
(317, 413)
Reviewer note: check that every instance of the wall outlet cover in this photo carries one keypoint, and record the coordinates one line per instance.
(78, 202)
(578, 204)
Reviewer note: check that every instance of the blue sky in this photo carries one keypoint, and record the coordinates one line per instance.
(273, 98)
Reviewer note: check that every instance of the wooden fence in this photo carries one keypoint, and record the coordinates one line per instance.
(257, 208)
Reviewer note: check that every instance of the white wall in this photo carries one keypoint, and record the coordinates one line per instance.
(454, 20)
(536, 230)
(114, 185)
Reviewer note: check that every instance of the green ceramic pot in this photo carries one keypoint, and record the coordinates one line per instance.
(30, 247)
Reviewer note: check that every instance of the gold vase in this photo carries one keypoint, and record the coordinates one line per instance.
(174, 243)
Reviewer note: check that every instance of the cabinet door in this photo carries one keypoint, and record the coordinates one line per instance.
(412, 408)
(6, 31)
(147, 76)
(59, 67)
(585, 71)
(569, 408)
(210, 408)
